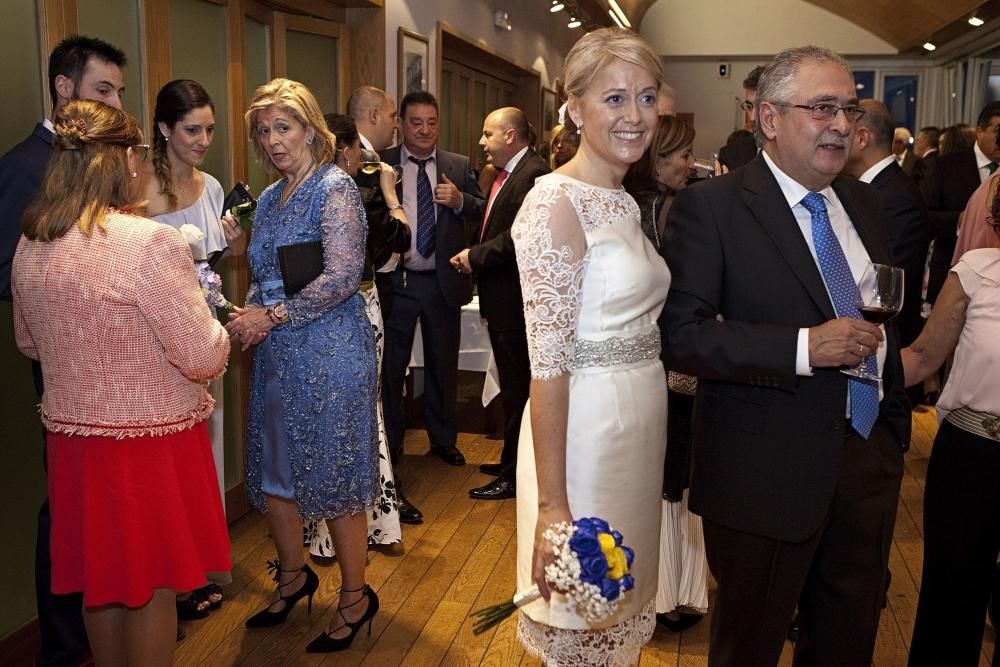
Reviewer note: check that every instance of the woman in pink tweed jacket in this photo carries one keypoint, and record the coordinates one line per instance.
(109, 303)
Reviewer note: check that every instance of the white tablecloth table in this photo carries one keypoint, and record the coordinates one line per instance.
(474, 353)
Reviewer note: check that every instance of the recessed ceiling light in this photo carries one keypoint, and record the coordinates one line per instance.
(975, 21)
(556, 6)
(929, 46)
(617, 12)
(574, 23)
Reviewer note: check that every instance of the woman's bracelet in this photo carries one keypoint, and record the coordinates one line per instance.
(396, 207)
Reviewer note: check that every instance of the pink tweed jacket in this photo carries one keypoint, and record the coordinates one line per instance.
(126, 341)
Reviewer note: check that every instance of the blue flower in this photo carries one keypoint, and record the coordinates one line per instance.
(600, 525)
(629, 554)
(593, 567)
(584, 542)
(618, 538)
(627, 582)
(610, 589)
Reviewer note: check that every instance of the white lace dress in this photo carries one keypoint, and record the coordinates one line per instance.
(593, 288)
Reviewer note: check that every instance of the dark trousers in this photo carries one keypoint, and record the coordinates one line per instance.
(961, 544)
(510, 351)
(60, 617)
(836, 577)
(383, 286)
(418, 295)
(677, 461)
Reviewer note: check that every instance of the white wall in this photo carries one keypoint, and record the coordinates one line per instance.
(538, 40)
(751, 28)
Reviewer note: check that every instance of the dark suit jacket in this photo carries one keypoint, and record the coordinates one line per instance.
(738, 153)
(386, 233)
(909, 235)
(450, 229)
(767, 444)
(21, 172)
(922, 165)
(493, 259)
(909, 162)
(947, 186)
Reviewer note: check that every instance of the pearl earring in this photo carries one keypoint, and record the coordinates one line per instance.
(135, 174)
(348, 163)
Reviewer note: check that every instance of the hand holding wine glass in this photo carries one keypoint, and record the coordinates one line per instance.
(880, 298)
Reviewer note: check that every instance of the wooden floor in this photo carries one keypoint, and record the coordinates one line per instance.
(461, 559)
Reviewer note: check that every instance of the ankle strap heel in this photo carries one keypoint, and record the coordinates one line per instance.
(268, 618)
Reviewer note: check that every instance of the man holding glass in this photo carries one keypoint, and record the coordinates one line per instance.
(796, 466)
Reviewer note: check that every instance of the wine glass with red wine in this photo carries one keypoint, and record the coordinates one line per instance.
(880, 298)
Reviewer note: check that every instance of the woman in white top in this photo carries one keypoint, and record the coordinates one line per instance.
(594, 431)
(962, 490)
(178, 194)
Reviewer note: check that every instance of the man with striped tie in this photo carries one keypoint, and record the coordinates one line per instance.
(438, 192)
(796, 466)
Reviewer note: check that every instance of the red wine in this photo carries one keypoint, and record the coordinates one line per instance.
(877, 314)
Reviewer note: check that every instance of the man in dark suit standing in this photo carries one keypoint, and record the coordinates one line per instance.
(901, 152)
(79, 68)
(947, 186)
(505, 141)
(871, 161)
(925, 148)
(741, 151)
(796, 466)
(438, 191)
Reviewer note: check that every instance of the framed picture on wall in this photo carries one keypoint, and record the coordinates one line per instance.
(413, 53)
(549, 110)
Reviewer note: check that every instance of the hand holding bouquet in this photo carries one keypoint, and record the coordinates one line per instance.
(591, 568)
(211, 286)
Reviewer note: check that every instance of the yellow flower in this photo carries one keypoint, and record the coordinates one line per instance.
(617, 564)
(607, 543)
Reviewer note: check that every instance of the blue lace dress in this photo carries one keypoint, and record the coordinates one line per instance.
(312, 435)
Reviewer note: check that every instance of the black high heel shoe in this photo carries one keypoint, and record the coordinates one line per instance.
(327, 644)
(268, 618)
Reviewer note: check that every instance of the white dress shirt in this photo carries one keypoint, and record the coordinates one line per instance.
(847, 235)
(365, 143)
(982, 162)
(412, 259)
(876, 169)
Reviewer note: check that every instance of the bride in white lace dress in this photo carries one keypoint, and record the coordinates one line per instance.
(594, 432)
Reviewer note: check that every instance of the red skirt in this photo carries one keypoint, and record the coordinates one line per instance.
(133, 515)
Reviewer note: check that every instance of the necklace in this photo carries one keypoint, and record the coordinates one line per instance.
(286, 192)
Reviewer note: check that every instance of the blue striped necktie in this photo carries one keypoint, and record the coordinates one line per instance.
(425, 209)
(844, 292)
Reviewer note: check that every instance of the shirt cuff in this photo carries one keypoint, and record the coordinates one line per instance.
(802, 366)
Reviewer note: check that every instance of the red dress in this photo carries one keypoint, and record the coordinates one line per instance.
(133, 515)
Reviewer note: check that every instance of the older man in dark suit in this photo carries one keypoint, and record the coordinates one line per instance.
(796, 466)
(439, 192)
(947, 186)
(79, 68)
(505, 141)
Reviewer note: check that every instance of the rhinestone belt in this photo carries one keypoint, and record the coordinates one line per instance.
(614, 351)
(982, 424)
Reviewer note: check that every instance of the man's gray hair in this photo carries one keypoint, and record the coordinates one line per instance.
(775, 84)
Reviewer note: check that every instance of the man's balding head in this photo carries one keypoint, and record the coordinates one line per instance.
(374, 112)
(506, 132)
(873, 137)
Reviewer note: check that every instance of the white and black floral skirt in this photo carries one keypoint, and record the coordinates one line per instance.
(383, 517)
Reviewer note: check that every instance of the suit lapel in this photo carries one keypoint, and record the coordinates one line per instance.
(865, 225)
(506, 189)
(767, 202)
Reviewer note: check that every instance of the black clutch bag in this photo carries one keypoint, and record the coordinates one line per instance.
(300, 264)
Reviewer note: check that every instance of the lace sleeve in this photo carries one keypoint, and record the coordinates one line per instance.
(550, 247)
(343, 233)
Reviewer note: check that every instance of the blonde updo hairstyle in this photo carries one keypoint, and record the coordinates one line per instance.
(598, 49)
(88, 172)
(293, 98)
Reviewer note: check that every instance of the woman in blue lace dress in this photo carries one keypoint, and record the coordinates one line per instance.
(312, 447)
